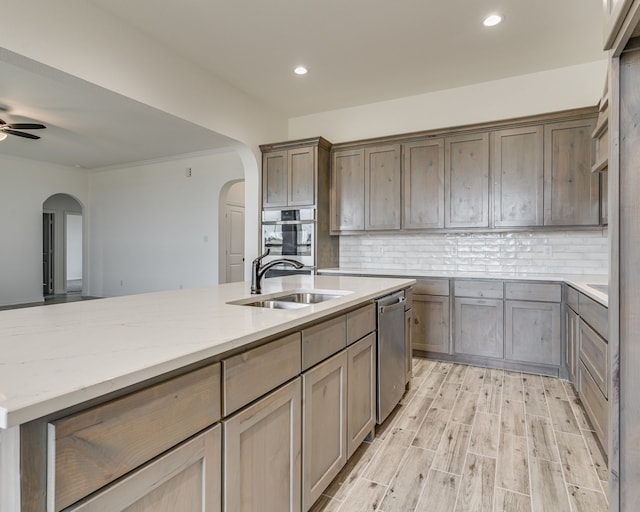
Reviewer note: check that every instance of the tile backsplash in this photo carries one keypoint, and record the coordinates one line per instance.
(553, 252)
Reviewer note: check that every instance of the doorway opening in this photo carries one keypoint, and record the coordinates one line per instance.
(231, 233)
(62, 246)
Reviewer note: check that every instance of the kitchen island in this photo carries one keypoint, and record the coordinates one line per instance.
(71, 372)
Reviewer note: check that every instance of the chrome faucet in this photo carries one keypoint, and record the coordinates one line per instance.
(257, 270)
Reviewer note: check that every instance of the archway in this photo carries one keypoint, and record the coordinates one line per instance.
(62, 245)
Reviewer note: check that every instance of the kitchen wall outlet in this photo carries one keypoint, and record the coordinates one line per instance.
(188, 172)
(548, 250)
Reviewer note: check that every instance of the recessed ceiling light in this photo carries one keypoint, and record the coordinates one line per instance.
(300, 70)
(492, 20)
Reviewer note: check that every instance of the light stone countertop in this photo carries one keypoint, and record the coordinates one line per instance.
(579, 282)
(56, 356)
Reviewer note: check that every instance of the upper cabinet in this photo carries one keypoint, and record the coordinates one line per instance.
(382, 187)
(571, 190)
(523, 173)
(423, 184)
(290, 172)
(518, 176)
(466, 181)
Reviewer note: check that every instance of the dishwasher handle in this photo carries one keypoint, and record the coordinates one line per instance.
(392, 307)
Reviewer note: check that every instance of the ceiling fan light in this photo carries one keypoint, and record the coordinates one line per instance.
(3, 136)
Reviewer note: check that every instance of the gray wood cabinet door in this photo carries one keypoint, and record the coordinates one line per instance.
(262, 452)
(533, 332)
(423, 184)
(361, 402)
(301, 166)
(186, 478)
(382, 187)
(347, 191)
(430, 326)
(479, 329)
(572, 343)
(517, 159)
(467, 181)
(324, 420)
(571, 190)
(274, 179)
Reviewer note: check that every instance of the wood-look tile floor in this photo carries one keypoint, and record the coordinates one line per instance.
(469, 439)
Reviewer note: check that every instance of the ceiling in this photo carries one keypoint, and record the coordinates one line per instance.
(363, 51)
(357, 52)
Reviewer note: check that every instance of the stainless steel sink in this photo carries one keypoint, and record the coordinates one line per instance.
(292, 299)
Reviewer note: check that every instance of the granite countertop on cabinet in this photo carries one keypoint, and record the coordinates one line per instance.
(582, 283)
(58, 356)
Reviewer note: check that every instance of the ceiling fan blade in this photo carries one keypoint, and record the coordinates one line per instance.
(25, 126)
(20, 134)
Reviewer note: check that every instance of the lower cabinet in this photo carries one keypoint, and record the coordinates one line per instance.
(572, 343)
(262, 451)
(186, 478)
(324, 420)
(533, 332)
(430, 328)
(479, 327)
(361, 402)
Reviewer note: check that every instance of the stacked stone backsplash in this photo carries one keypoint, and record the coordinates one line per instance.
(554, 252)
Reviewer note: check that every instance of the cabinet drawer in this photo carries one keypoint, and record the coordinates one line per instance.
(94, 447)
(360, 323)
(596, 315)
(572, 298)
(595, 404)
(593, 354)
(534, 291)
(432, 286)
(478, 288)
(323, 340)
(255, 372)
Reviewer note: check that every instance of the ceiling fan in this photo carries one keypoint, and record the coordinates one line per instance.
(13, 129)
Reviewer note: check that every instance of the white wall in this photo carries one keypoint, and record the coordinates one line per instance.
(536, 93)
(73, 254)
(24, 186)
(152, 228)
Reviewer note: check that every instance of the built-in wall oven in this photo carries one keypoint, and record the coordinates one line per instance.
(289, 234)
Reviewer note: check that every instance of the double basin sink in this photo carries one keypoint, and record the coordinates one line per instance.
(292, 299)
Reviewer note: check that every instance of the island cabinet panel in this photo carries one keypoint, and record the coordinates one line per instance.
(430, 325)
(301, 167)
(479, 328)
(571, 190)
(572, 343)
(347, 190)
(324, 423)
(187, 478)
(467, 181)
(262, 454)
(382, 187)
(274, 179)
(361, 401)
(517, 168)
(253, 373)
(92, 448)
(423, 184)
(533, 332)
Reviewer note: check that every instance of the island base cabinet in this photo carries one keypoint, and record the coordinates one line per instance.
(533, 332)
(261, 454)
(324, 419)
(361, 402)
(187, 478)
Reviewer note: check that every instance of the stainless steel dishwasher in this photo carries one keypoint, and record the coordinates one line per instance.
(391, 356)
